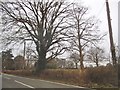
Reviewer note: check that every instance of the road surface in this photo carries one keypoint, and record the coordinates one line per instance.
(12, 81)
(0, 81)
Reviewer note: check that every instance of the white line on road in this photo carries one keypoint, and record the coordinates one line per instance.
(23, 84)
(74, 86)
(62, 84)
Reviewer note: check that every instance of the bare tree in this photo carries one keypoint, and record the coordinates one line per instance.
(117, 53)
(43, 21)
(96, 55)
(19, 62)
(7, 60)
(75, 57)
(84, 30)
(69, 64)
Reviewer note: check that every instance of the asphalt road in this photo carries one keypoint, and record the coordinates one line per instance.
(0, 81)
(11, 81)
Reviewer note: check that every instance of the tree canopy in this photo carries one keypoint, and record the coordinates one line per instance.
(42, 21)
(50, 24)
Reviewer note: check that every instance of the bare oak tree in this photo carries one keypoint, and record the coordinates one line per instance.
(43, 21)
(96, 55)
(75, 57)
(83, 30)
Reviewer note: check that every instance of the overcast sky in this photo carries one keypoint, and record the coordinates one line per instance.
(119, 27)
(98, 8)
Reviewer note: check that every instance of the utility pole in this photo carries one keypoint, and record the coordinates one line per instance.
(25, 46)
(24, 49)
(24, 54)
(112, 47)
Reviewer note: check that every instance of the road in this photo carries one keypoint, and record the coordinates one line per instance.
(0, 81)
(12, 81)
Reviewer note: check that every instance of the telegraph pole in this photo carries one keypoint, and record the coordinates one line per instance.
(24, 49)
(112, 47)
(24, 54)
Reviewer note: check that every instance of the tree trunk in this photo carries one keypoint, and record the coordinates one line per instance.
(81, 65)
(76, 65)
(40, 66)
(80, 48)
(97, 61)
(41, 63)
(81, 61)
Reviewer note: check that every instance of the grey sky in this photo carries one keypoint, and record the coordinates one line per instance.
(119, 28)
(98, 8)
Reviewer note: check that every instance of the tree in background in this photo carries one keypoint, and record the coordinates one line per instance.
(96, 55)
(19, 62)
(69, 64)
(83, 31)
(43, 21)
(117, 51)
(30, 55)
(53, 64)
(75, 58)
(7, 60)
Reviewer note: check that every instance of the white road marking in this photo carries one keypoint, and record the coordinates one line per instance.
(61, 84)
(74, 86)
(23, 84)
(56, 83)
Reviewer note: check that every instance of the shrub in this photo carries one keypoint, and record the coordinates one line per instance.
(19, 72)
(101, 75)
(61, 74)
(91, 77)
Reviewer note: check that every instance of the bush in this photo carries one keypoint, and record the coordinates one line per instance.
(61, 74)
(90, 77)
(19, 72)
(102, 75)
